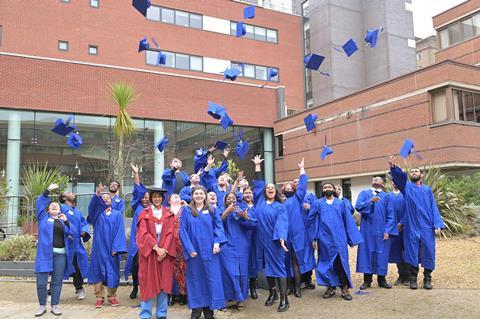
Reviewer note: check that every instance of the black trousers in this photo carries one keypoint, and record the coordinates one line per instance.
(77, 276)
(403, 269)
(342, 275)
(307, 277)
(135, 270)
(427, 273)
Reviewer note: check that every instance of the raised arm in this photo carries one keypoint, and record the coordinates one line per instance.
(258, 182)
(399, 177)
(43, 201)
(96, 206)
(301, 191)
(224, 165)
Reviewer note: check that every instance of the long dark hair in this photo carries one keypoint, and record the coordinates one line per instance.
(206, 205)
(278, 197)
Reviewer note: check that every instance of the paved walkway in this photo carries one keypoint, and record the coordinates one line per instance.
(18, 300)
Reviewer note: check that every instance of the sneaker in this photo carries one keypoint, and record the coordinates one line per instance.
(113, 302)
(56, 310)
(81, 294)
(40, 311)
(99, 303)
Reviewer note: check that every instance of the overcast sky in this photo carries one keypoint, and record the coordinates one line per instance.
(424, 10)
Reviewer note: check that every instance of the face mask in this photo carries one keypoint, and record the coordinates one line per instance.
(289, 193)
(327, 193)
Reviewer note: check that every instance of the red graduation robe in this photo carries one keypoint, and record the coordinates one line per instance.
(155, 276)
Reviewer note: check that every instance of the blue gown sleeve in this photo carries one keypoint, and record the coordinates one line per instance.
(119, 241)
(313, 216)
(349, 205)
(183, 232)
(41, 207)
(121, 207)
(399, 177)
(354, 237)
(70, 229)
(258, 188)
(301, 191)
(218, 231)
(391, 220)
(252, 221)
(208, 180)
(437, 218)
(199, 162)
(95, 208)
(168, 175)
(364, 205)
(186, 194)
(280, 230)
(85, 228)
(138, 192)
(223, 168)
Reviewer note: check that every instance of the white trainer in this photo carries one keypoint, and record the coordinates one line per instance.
(81, 294)
(56, 310)
(40, 311)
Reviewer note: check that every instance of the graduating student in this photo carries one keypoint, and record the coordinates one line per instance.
(117, 202)
(309, 199)
(174, 179)
(186, 192)
(53, 252)
(109, 243)
(201, 233)
(180, 268)
(348, 204)
(300, 256)
(238, 220)
(332, 225)
(80, 235)
(376, 225)
(140, 200)
(421, 222)
(272, 232)
(247, 199)
(212, 199)
(157, 253)
(396, 207)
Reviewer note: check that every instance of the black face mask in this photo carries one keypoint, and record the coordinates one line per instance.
(289, 193)
(327, 193)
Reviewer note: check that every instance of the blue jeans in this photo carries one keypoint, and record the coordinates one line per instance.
(59, 264)
(162, 306)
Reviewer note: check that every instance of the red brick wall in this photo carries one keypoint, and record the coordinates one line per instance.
(467, 52)
(34, 27)
(455, 12)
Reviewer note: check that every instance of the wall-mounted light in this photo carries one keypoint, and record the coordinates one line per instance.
(79, 172)
(76, 165)
(3, 172)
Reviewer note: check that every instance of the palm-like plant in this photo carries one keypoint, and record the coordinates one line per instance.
(36, 179)
(123, 94)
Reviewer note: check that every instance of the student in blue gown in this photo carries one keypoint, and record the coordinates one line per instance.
(377, 225)
(108, 243)
(332, 225)
(212, 199)
(309, 199)
(348, 204)
(421, 222)
(186, 192)
(140, 201)
(201, 234)
(55, 234)
(396, 206)
(174, 179)
(238, 220)
(206, 158)
(300, 258)
(118, 203)
(272, 232)
(80, 236)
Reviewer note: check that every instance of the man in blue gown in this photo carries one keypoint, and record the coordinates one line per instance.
(348, 204)
(174, 179)
(118, 203)
(421, 222)
(377, 225)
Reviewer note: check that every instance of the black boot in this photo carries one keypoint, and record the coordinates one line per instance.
(296, 290)
(330, 292)
(399, 281)
(273, 295)
(182, 300)
(283, 305)
(171, 300)
(196, 313)
(289, 286)
(382, 282)
(134, 292)
(208, 313)
(367, 281)
(253, 286)
(413, 277)
(427, 279)
(345, 293)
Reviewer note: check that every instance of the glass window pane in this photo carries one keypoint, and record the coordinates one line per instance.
(467, 28)
(444, 43)
(151, 57)
(476, 24)
(275, 78)
(196, 63)
(182, 61)
(260, 72)
(468, 106)
(249, 70)
(233, 28)
(153, 13)
(195, 21)
(439, 107)
(94, 3)
(476, 102)
(181, 18)
(63, 45)
(455, 33)
(238, 66)
(272, 36)
(168, 15)
(458, 105)
(250, 32)
(260, 34)
(93, 50)
(170, 60)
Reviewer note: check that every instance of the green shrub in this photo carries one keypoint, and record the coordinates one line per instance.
(18, 248)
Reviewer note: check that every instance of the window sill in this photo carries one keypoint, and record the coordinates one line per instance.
(467, 123)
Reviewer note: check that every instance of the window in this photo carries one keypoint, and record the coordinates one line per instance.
(439, 107)
(196, 21)
(249, 71)
(476, 24)
(181, 18)
(62, 45)
(94, 3)
(250, 31)
(93, 49)
(66, 1)
(260, 73)
(278, 146)
(347, 188)
(458, 104)
(153, 13)
(419, 56)
(196, 63)
(237, 66)
(271, 36)
(411, 43)
(182, 61)
(318, 189)
(467, 29)
(466, 105)
(260, 34)
(444, 42)
(170, 59)
(455, 33)
(168, 16)
(1, 29)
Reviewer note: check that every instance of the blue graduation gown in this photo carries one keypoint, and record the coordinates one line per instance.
(44, 256)
(138, 192)
(310, 198)
(272, 226)
(334, 228)
(396, 205)
(75, 246)
(204, 277)
(108, 237)
(186, 194)
(376, 220)
(234, 257)
(419, 222)
(298, 238)
(348, 205)
(118, 204)
(169, 179)
(199, 162)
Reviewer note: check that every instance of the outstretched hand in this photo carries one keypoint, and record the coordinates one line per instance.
(391, 161)
(135, 168)
(210, 160)
(257, 160)
(52, 187)
(226, 151)
(301, 164)
(282, 243)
